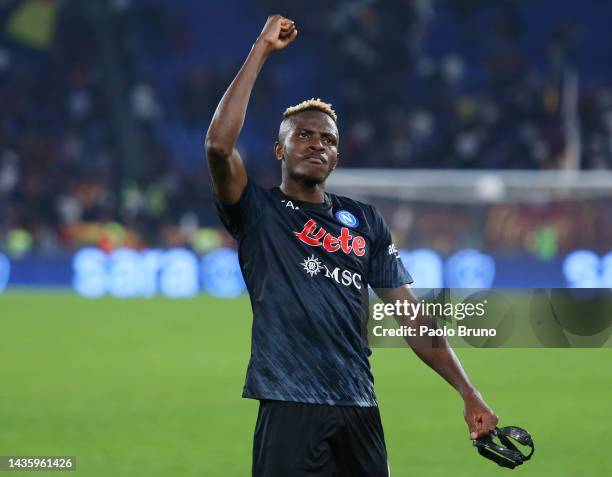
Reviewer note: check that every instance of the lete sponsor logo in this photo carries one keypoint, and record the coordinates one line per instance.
(313, 266)
(316, 236)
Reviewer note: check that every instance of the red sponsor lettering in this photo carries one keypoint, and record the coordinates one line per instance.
(359, 244)
(306, 231)
(322, 238)
(331, 243)
(345, 240)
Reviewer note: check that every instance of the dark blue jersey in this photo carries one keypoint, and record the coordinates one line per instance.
(307, 268)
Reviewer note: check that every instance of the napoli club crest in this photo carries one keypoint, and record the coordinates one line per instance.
(346, 218)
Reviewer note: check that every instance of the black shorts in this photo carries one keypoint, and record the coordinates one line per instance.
(295, 440)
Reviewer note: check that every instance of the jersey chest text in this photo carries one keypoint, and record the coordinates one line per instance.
(315, 235)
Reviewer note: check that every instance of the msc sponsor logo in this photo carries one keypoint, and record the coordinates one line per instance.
(313, 266)
(316, 236)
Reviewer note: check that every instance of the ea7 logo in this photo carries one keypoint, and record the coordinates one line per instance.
(312, 266)
(322, 238)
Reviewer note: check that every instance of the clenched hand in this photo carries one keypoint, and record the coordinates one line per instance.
(278, 32)
(479, 417)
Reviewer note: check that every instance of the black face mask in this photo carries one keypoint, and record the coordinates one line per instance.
(506, 454)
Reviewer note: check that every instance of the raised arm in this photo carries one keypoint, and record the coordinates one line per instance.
(225, 164)
(439, 356)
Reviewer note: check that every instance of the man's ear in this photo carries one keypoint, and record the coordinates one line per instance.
(278, 151)
(336, 163)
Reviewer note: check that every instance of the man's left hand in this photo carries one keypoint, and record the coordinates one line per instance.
(479, 417)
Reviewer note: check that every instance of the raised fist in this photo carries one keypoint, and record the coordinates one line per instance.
(278, 32)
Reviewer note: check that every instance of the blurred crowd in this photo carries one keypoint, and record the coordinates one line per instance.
(465, 83)
(101, 126)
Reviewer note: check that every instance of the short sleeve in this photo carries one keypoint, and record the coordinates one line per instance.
(386, 269)
(240, 217)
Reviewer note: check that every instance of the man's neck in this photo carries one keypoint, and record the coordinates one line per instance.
(306, 193)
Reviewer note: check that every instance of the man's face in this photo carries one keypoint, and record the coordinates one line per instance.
(308, 146)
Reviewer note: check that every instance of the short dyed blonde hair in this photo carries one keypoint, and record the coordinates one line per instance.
(311, 105)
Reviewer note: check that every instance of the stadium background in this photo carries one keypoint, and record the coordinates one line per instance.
(502, 111)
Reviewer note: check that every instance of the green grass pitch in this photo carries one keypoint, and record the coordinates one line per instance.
(152, 388)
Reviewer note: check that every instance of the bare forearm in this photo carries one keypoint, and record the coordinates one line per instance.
(444, 361)
(438, 355)
(230, 113)
(227, 170)
(433, 351)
